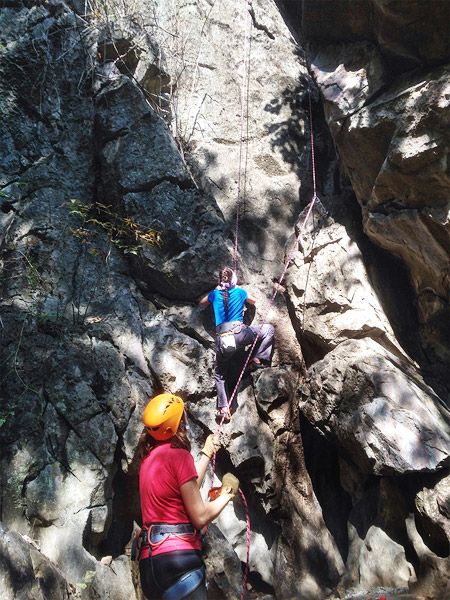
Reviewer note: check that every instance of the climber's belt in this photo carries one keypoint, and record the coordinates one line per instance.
(229, 327)
(157, 533)
(167, 528)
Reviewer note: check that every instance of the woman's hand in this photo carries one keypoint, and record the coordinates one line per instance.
(212, 445)
(230, 485)
(199, 513)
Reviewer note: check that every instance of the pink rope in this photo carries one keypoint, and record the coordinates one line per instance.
(244, 117)
(249, 531)
(294, 248)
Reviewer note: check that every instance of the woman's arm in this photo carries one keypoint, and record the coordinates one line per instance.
(212, 444)
(250, 299)
(204, 301)
(200, 513)
(202, 466)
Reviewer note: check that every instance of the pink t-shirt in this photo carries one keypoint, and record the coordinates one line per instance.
(161, 475)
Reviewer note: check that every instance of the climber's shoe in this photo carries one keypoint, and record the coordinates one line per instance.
(255, 364)
(224, 414)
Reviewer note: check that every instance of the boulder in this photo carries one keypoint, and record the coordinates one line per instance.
(382, 562)
(433, 516)
(26, 573)
(376, 410)
(126, 44)
(432, 577)
(330, 291)
(223, 568)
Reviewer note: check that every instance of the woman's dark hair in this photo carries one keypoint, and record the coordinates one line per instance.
(146, 442)
(226, 272)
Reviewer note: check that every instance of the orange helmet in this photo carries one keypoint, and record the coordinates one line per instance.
(162, 416)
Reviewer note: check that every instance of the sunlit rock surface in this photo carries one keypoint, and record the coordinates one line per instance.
(385, 83)
(125, 143)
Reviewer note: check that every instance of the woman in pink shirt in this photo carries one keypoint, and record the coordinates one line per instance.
(173, 511)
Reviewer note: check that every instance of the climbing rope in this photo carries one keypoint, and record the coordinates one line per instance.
(294, 248)
(242, 170)
(241, 199)
(242, 192)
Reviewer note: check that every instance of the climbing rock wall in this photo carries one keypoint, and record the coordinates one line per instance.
(374, 322)
(128, 133)
(383, 73)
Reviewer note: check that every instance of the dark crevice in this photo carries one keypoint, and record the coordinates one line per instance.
(259, 585)
(258, 25)
(114, 136)
(150, 185)
(7, 206)
(322, 463)
(125, 507)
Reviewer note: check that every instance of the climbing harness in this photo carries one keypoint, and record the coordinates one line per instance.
(188, 583)
(155, 535)
(225, 336)
(229, 327)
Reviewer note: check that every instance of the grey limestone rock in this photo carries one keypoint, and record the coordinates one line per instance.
(386, 103)
(433, 515)
(26, 573)
(114, 130)
(365, 399)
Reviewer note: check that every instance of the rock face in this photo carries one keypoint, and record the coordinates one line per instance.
(129, 139)
(366, 399)
(26, 573)
(385, 85)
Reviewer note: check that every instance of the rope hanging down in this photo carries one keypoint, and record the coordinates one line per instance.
(243, 161)
(288, 260)
(241, 196)
(241, 193)
(294, 248)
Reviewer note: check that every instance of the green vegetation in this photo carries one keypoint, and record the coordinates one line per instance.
(87, 580)
(123, 232)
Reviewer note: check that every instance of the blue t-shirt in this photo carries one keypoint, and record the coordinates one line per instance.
(236, 300)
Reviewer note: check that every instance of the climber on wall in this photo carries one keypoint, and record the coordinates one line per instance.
(172, 508)
(228, 300)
